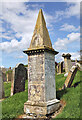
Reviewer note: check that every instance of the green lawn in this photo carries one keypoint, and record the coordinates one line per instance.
(71, 96)
(14, 106)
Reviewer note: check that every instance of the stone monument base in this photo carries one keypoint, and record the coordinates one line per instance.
(42, 108)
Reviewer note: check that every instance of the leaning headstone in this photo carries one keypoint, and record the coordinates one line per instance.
(1, 86)
(67, 62)
(70, 76)
(79, 64)
(19, 75)
(41, 72)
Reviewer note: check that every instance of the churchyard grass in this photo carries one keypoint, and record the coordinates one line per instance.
(7, 88)
(71, 96)
(14, 106)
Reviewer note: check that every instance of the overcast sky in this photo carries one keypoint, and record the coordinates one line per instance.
(17, 22)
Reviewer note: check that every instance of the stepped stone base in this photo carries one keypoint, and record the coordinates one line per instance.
(42, 108)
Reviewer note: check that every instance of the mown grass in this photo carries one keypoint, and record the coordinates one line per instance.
(71, 96)
(7, 87)
(14, 106)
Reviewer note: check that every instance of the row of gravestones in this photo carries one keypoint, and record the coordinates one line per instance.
(69, 69)
(6, 77)
(19, 75)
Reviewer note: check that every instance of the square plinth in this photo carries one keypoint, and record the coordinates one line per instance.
(43, 108)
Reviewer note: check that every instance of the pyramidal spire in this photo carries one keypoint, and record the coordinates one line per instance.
(40, 36)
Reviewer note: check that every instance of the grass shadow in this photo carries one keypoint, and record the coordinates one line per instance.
(76, 84)
(60, 93)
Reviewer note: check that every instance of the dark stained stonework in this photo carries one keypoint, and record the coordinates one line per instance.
(19, 75)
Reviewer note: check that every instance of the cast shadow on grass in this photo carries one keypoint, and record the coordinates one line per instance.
(76, 84)
(60, 93)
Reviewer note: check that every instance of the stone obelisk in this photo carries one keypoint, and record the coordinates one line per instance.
(41, 71)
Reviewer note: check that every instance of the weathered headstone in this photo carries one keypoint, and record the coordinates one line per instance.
(4, 78)
(67, 62)
(60, 67)
(19, 75)
(1, 86)
(27, 71)
(70, 76)
(9, 76)
(41, 72)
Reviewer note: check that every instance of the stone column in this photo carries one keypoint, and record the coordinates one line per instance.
(67, 62)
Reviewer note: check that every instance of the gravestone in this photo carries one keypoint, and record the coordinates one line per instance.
(4, 78)
(60, 67)
(70, 76)
(41, 72)
(27, 71)
(9, 76)
(1, 86)
(19, 75)
(67, 62)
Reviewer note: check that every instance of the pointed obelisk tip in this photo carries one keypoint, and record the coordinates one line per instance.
(40, 11)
